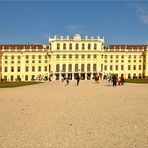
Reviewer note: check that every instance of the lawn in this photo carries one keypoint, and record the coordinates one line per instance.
(16, 84)
(139, 81)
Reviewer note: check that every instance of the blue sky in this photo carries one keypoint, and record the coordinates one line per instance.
(33, 22)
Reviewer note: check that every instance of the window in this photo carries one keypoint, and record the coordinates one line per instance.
(122, 67)
(140, 61)
(39, 56)
(83, 46)
(89, 46)
(39, 68)
(27, 68)
(116, 61)
(88, 67)
(117, 56)
(5, 78)
(19, 57)
(122, 56)
(88, 56)
(33, 61)
(6, 62)
(12, 57)
(57, 68)
(105, 56)
(129, 56)
(76, 56)
(111, 56)
(111, 61)
(70, 56)
(134, 67)
(45, 56)
(139, 67)
(26, 77)
(45, 68)
(129, 61)
(18, 61)
(83, 56)
(134, 56)
(105, 61)
(122, 61)
(94, 67)
(27, 61)
(70, 68)
(95, 46)
(12, 62)
(77, 46)
(64, 67)
(39, 61)
(76, 67)
(58, 46)
(27, 57)
(6, 57)
(70, 46)
(12, 69)
(116, 67)
(49, 68)
(33, 68)
(111, 67)
(33, 56)
(64, 55)
(11, 78)
(129, 67)
(95, 56)
(6, 69)
(64, 46)
(82, 67)
(105, 67)
(58, 56)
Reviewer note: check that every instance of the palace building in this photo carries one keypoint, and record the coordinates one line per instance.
(69, 57)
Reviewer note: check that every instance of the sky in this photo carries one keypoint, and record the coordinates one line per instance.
(119, 22)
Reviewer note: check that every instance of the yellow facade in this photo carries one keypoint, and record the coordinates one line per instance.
(69, 57)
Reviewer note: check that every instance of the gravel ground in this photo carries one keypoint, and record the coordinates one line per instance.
(91, 115)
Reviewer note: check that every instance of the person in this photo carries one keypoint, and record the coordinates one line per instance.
(78, 80)
(97, 78)
(62, 79)
(67, 80)
(122, 80)
(114, 80)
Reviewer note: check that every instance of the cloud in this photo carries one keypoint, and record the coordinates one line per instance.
(142, 12)
(76, 28)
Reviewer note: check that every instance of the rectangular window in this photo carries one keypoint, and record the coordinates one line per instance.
(19, 57)
(134, 61)
(27, 61)
(39, 68)
(139, 67)
(64, 56)
(111, 67)
(111, 56)
(39, 61)
(116, 56)
(5, 78)
(11, 78)
(27, 57)
(70, 56)
(33, 61)
(6, 57)
(129, 67)
(88, 56)
(12, 69)
(18, 61)
(45, 56)
(26, 77)
(116, 61)
(6, 69)
(134, 68)
(122, 67)
(105, 67)
(18, 69)
(105, 56)
(33, 56)
(116, 67)
(27, 68)
(95, 56)
(105, 61)
(12, 57)
(33, 68)
(39, 56)
(83, 56)
(6, 62)
(58, 56)
(45, 68)
(76, 56)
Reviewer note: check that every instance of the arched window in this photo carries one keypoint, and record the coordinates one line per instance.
(83, 46)
(70, 68)
(64, 46)
(57, 68)
(64, 67)
(82, 68)
(70, 46)
(95, 46)
(49, 67)
(58, 46)
(76, 67)
(88, 67)
(89, 46)
(94, 67)
(77, 46)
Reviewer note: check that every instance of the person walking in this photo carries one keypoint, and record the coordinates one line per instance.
(78, 80)
(122, 80)
(67, 81)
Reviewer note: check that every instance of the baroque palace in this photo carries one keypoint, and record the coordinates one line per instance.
(69, 57)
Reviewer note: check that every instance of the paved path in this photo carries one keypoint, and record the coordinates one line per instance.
(52, 115)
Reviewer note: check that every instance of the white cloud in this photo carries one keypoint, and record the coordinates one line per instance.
(142, 12)
(76, 28)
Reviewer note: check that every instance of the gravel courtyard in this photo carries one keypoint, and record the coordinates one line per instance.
(53, 115)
